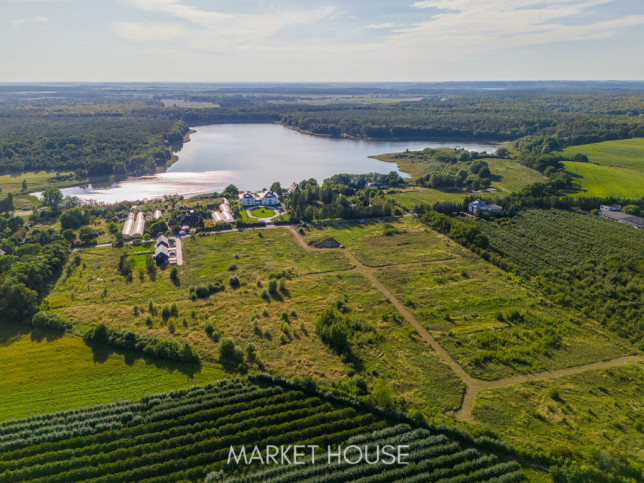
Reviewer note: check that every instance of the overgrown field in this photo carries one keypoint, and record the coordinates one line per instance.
(582, 261)
(187, 435)
(45, 371)
(595, 417)
(489, 322)
(281, 324)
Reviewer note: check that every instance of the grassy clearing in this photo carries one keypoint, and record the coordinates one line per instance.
(509, 176)
(36, 181)
(594, 180)
(410, 197)
(414, 242)
(627, 153)
(595, 416)
(44, 372)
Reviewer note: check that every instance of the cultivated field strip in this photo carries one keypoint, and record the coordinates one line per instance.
(187, 435)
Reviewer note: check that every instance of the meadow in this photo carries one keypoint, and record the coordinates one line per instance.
(47, 371)
(605, 181)
(595, 417)
(507, 177)
(491, 324)
(625, 153)
(385, 350)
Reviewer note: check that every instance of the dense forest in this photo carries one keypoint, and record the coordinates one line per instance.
(112, 130)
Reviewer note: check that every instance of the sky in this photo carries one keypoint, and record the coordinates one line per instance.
(320, 41)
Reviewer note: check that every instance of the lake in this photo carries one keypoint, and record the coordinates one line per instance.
(252, 157)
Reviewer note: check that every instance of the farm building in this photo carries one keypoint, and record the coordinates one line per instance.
(157, 214)
(139, 225)
(610, 208)
(161, 254)
(474, 206)
(128, 228)
(163, 240)
(632, 220)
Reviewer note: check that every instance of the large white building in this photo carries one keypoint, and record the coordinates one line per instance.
(474, 206)
(265, 198)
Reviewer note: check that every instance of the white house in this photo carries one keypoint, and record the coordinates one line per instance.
(610, 208)
(484, 207)
(247, 199)
(268, 198)
(265, 198)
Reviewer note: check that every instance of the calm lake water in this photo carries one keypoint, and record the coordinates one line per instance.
(252, 157)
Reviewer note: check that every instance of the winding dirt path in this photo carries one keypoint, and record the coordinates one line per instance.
(472, 385)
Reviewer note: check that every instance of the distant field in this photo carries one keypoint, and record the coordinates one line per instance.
(36, 181)
(42, 371)
(508, 176)
(595, 416)
(594, 180)
(627, 153)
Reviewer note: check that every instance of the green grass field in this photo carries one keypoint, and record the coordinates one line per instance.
(626, 153)
(595, 416)
(44, 372)
(594, 180)
(615, 168)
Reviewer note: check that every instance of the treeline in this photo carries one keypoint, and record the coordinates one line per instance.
(152, 346)
(94, 145)
(501, 117)
(466, 234)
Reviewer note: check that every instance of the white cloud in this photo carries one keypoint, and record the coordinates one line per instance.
(216, 30)
(467, 27)
(145, 32)
(39, 22)
(387, 25)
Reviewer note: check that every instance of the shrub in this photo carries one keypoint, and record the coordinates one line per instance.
(174, 276)
(283, 339)
(282, 285)
(272, 286)
(234, 282)
(151, 307)
(171, 328)
(47, 320)
(165, 312)
(232, 267)
(174, 311)
(229, 352)
(136, 309)
(264, 294)
(148, 320)
(251, 352)
(267, 334)
(202, 292)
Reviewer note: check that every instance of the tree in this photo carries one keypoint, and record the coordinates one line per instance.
(231, 191)
(632, 210)
(502, 152)
(276, 188)
(69, 235)
(52, 197)
(24, 185)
